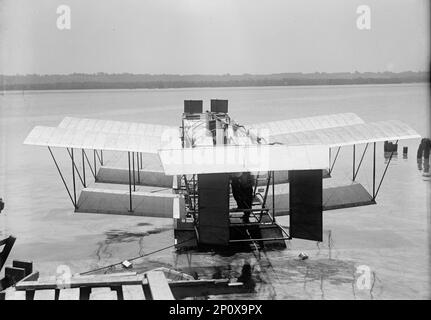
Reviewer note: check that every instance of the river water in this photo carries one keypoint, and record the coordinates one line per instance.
(372, 252)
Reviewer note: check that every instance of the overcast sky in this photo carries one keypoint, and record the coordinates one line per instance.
(213, 36)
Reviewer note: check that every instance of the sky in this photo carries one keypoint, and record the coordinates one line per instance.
(213, 36)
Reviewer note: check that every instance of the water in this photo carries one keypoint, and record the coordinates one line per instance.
(390, 239)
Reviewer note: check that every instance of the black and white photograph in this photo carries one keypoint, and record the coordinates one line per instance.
(226, 151)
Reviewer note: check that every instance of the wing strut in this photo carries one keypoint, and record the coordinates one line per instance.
(384, 172)
(62, 178)
(89, 164)
(355, 172)
(74, 167)
(336, 156)
(130, 185)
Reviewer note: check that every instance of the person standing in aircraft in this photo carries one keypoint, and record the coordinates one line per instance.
(242, 190)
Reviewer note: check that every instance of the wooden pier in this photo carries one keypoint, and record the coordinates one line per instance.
(152, 285)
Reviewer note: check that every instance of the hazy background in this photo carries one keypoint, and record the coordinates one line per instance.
(213, 37)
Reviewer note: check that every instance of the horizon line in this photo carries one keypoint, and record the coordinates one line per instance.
(209, 74)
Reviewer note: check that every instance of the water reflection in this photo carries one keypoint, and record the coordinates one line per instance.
(281, 274)
(246, 277)
(393, 156)
(269, 274)
(424, 166)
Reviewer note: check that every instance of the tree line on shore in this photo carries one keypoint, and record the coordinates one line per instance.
(163, 81)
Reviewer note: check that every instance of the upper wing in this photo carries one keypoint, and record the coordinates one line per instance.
(307, 124)
(111, 126)
(106, 135)
(98, 140)
(349, 135)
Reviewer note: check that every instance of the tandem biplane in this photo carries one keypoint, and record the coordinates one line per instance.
(187, 172)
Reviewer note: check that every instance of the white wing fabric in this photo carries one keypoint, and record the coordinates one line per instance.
(349, 135)
(307, 124)
(98, 140)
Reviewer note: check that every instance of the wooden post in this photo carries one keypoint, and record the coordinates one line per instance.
(133, 292)
(44, 295)
(8, 244)
(103, 294)
(159, 286)
(69, 294)
(27, 266)
(13, 275)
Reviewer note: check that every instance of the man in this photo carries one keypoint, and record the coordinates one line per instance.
(424, 150)
(242, 190)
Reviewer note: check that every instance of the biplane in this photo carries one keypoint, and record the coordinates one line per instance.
(186, 173)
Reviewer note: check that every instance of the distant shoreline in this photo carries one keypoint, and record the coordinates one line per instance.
(21, 91)
(145, 81)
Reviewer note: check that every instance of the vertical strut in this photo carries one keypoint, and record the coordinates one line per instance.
(273, 196)
(95, 168)
(255, 185)
(133, 165)
(83, 167)
(76, 168)
(268, 181)
(384, 173)
(73, 177)
(354, 162)
(335, 159)
(194, 192)
(374, 170)
(360, 162)
(101, 157)
(98, 157)
(89, 164)
(137, 161)
(130, 185)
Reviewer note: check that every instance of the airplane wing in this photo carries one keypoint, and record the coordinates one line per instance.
(106, 135)
(349, 135)
(307, 124)
(98, 140)
(124, 127)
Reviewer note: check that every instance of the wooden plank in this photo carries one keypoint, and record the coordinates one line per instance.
(173, 274)
(103, 294)
(32, 277)
(159, 286)
(94, 281)
(198, 288)
(134, 292)
(12, 294)
(69, 294)
(117, 274)
(180, 289)
(44, 295)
